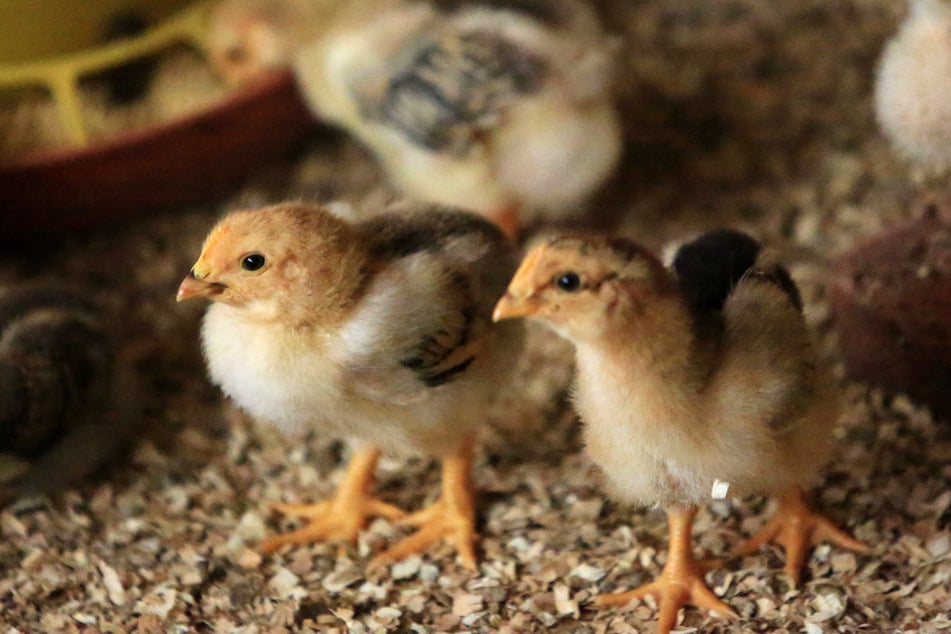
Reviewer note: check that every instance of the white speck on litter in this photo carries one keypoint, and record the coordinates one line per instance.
(406, 568)
(284, 582)
(110, 579)
(588, 572)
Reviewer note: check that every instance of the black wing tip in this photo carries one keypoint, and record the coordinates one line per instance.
(710, 266)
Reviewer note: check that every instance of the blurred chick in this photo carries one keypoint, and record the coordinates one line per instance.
(689, 380)
(67, 396)
(494, 106)
(913, 84)
(246, 38)
(379, 331)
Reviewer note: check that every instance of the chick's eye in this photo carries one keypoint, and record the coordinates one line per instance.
(252, 262)
(236, 55)
(568, 281)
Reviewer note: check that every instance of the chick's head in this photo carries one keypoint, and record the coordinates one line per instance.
(247, 38)
(244, 40)
(294, 263)
(583, 286)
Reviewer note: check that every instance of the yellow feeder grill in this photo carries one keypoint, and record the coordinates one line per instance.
(188, 160)
(60, 74)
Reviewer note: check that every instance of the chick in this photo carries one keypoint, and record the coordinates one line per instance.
(689, 381)
(913, 84)
(246, 38)
(67, 395)
(379, 331)
(493, 105)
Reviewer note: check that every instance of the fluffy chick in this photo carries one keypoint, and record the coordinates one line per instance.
(378, 331)
(913, 84)
(687, 378)
(67, 395)
(246, 38)
(492, 105)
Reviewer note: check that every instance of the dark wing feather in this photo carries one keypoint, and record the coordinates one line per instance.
(709, 267)
(454, 86)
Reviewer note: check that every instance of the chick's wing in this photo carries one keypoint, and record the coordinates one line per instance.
(452, 86)
(426, 315)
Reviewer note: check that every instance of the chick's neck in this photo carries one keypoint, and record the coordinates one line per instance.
(654, 344)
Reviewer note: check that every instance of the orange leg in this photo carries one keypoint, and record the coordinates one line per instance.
(452, 517)
(681, 583)
(795, 527)
(345, 514)
(507, 219)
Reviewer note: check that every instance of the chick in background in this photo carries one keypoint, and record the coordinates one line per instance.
(689, 379)
(69, 393)
(378, 331)
(498, 107)
(913, 83)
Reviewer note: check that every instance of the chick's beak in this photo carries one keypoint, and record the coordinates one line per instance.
(510, 307)
(195, 285)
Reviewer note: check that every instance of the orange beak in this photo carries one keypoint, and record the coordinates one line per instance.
(192, 287)
(511, 307)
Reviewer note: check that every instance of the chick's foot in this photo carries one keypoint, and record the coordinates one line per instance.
(681, 583)
(343, 516)
(451, 518)
(797, 528)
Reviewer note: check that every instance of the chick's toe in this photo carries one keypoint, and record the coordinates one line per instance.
(452, 517)
(797, 528)
(344, 515)
(681, 583)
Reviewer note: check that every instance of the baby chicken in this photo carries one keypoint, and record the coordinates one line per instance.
(247, 38)
(913, 84)
(379, 331)
(689, 381)
(67, 395)
(492, 106)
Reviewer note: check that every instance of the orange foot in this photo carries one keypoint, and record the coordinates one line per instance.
(681, 583)
(344, 515)
(451, 518)
(796, 528)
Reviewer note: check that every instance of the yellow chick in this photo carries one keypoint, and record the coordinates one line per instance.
(491, 106)
(246, 38)
(913, 84)
(379, 331)
(692, 383)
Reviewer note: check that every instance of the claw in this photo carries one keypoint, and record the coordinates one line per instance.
(797, 528)
(452, 518)
(343, 516)
(681, 583)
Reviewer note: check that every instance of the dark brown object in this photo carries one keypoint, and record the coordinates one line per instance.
(67, 397)
(190, 160)
(891, 304)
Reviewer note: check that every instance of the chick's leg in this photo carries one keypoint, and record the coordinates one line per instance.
(796, 528)
(342, 516)
(681, 582)
(508, 220)
(452, 517)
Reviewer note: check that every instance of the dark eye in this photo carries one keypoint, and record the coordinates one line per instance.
(236, 55)
(252, 262)
(568, 281)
